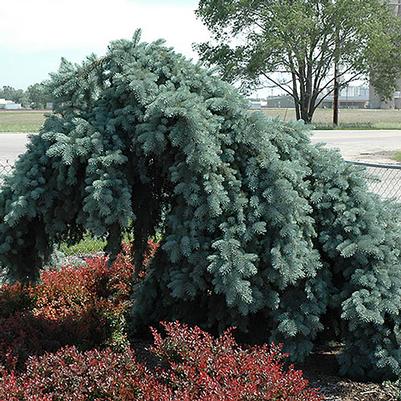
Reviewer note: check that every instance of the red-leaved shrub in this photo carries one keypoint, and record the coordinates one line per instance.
(74, 290)
(204, 368)
(195, 367)
(13, 298)
(87, 303)
(64, 339)
(69, 375)
(82, 306)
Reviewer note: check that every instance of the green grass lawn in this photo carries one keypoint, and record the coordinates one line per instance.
(88, 245)
(21, 121)
(31, 121)
(349, 118)
(397, 156)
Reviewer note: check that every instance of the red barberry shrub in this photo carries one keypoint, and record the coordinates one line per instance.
(69, 375)
(83, 306)
(204, 368)
(22, 335)
(196, 367)
(72, 290)
(89, 302)
(14, 298)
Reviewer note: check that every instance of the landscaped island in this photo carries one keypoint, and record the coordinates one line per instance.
(257, 228)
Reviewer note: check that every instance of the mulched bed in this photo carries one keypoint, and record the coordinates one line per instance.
(321, 369)
(339, 389)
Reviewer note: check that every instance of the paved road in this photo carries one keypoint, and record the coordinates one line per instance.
(373, 146)
(361, 145)
(354, 145)
(12, 145)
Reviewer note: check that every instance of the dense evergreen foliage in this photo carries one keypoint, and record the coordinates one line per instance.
(259, 228)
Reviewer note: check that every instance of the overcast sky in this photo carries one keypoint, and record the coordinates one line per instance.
(35, 34)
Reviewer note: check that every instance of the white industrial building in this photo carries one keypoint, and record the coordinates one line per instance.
(9, 105)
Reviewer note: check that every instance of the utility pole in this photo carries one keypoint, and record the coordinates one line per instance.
(336, 89)
(335, 95)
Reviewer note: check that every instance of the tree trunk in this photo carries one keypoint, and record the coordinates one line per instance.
(305, 114)
(297, 110)
(295, 96)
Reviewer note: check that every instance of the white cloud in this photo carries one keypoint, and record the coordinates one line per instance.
(43, 25)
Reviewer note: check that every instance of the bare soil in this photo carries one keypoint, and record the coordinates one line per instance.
(321, 369)
(384, 156)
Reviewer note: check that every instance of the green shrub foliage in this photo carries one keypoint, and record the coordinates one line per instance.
(260, 229)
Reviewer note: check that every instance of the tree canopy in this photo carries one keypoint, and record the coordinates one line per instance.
(38, 95)
(9, 93)
(259, 228)
(294, 45)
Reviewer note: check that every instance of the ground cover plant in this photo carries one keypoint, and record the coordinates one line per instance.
(259, 229)
(83, 306)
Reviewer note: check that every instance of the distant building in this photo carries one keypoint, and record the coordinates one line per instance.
(9, 105)
(254, 105)
(13, 106)
(351, 97)
(280, 102)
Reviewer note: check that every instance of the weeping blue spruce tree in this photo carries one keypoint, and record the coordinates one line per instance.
(260, 229)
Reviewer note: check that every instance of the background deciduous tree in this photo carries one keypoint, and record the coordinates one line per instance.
(10, 93)
(38, 96)
(294, 44)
